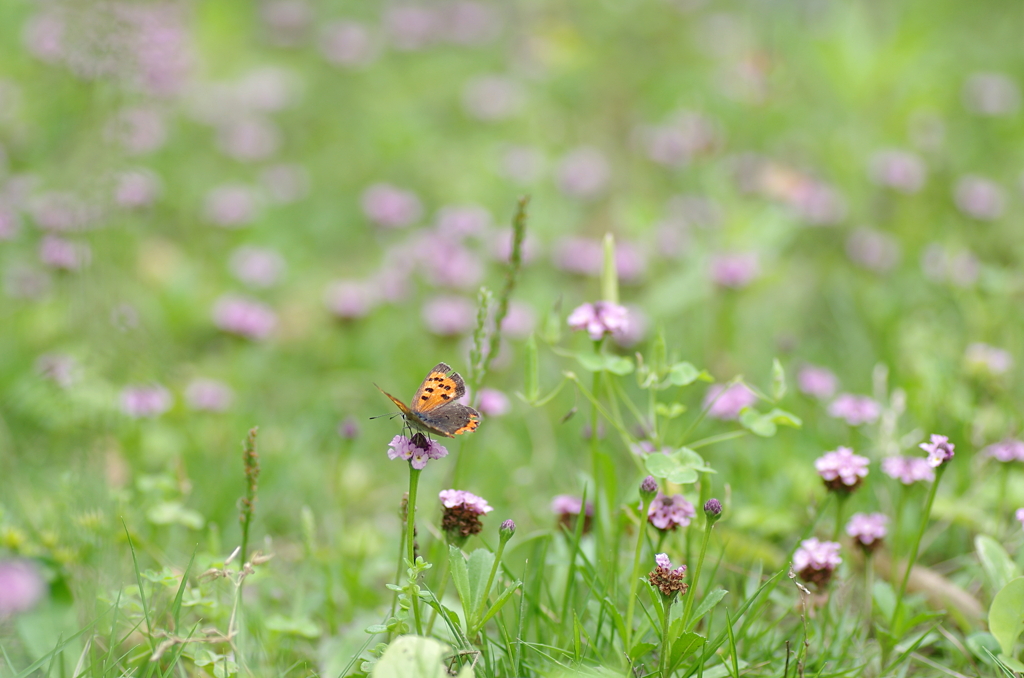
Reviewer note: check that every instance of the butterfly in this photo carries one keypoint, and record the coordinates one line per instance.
(435, 407)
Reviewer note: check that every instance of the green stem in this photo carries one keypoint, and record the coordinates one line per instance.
(841, 497)
(490, 582)
(666, 645)
(635, 578)
(915, 546)
(439, 594)
(695, 579)
(410, 543)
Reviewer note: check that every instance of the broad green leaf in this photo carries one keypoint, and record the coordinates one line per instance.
(757, 423)
(681, 467)
(460, 577)
(784, 418)
(706, 605)
(600, 362)
(1011, 663)
(295, 626)
(778, 380)
(685, 645)
(412, 657)
(640, 649)
(479, 566)
(684, 374)
(505, 596)
(885, 598)
(669, 411)
(998, 565)
(1006, 615)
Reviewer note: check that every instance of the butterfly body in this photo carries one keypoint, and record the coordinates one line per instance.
(435, 407)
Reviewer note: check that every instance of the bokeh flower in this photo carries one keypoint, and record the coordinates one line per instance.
(726, 402)
(734, 270)
(349, 44)
(256, 266)
(417, 450)
(411, 27)
(873, 250)
(249, 138)
(1019, 515)
(897, 169)
(991, 94)
(841, 469)
(1006, 450)
(815, 561)
(145, 400)
(460, 515)
(568, 508)
(59, 368)
(908, 470)
(285, 182)
(868, 529)
(817, 382)
(939, 449)
(493, 402)
(231, 205)
(583, 173)
(983, 358)
(855, 410)
(63, 254)
(391, 207)
(665, 579)
(208, 395)
(349, 299)
(135, 189)
(669, 512)
(599, 318)
(492, 98)
(244, 317)
(449, 316)
(138, 130)
(21, 587)
(979, 198)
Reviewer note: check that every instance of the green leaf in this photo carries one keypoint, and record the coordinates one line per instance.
(1006, 615)
(505, 596)
(460, 577)
(885, 598)
(601, 362)
(684, 374)
(295, 626)
(640, 649)
(766, 425)
(998, 565)
(1011, 663)
(669, 411)
(683, 646)
(778, 380)
(412, 657)
(174, 513)
(681, 467)
(706, 605)
(480, 562)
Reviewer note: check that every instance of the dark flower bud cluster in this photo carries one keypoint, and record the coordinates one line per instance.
(665, 579)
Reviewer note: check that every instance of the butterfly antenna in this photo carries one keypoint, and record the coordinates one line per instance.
(389, 415)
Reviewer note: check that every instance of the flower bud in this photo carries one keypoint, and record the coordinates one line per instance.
(648, 488)
(712, 509)
(507, 529)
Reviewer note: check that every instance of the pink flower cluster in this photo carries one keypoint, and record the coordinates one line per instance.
(145, 401)
(939, 450)
(668, 513)
(816, 382)
(244, 317)
(815, 560)
(600, 318)
(464, 500)
(908, 470)
(727, 402)
(867, 528)
(855, 410)
(417, 451)
(1006, 450)
(842, 469)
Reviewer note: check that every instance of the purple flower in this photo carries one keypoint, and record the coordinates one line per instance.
(492, 97)
(599, 318)
(908, 470)
(988, 359)
(734, 270)
(979, 198)
(585, 256)
(243, 316)
(665, 579)
(668, 513)
(939, 450)
(465, 500)
(265, 89)
(349, 299)
(449, 316)
(21, 586)
(817, 382)
(815, 560)
(460, 517)
(568, 509)
(59, 368)
(868, 529)
(390, 206)
(873, 250)
(462, 268)
(583, 173)
(208, 395)
(231, 205)
(897, 169)
(818, 203)
(841, 469)
(991, 94)
(287, 21)
(285, 183)
(456, 222)
(249, 138)
(144, 401)
(1006, 450)
(25, 282)
(62, 254)
(349, 428)
(256, 266)
(466, 22)
(727, 402)
(348, 43)
(44, 36)
(417, 450)
(520, 320)
(1020, 516)
(678, 142)
(60, 211)
(493, 402)
(136, 188)
(634, 331)
(854, 410)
